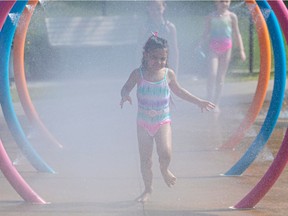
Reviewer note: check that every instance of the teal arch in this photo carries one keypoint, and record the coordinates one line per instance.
(6, 37)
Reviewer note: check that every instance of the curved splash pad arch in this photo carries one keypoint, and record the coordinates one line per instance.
(263, 79)
(6, 166)
(19, 75)
(240, 207)
(6, 37)
(281, 159)
(277, 94)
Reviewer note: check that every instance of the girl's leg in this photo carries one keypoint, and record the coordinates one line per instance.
(224, 61)
(212, 74)
(163, 141)
(145, 143)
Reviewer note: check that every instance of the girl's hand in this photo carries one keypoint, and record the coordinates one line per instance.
(242, 55)
(206, 105)
(124, 99)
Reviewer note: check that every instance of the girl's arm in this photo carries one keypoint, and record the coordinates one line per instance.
(206, 32)
(237, 36)
(185, 95)
(174, 51)
(128, 86)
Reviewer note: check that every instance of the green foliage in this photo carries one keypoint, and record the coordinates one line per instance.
(188, 16)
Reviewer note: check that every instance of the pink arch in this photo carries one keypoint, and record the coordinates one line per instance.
(268, 180)
(6, 6)
(16, 180)
(6, 166)
(280, 161)
(280, 10)
(19, 73)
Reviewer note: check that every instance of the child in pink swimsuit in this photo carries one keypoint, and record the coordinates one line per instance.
(154, 82)
(220, 34)
(220, 27)
(153, 104)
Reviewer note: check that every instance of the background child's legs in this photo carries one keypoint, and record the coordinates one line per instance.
(145, 143)
(212, 74)
(163, 141)
(224, 60)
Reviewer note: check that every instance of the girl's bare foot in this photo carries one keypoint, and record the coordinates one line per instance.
(169, 178)
(144, 197)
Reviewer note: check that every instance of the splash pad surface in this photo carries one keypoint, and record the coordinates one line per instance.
(64, 121)
(105, 178)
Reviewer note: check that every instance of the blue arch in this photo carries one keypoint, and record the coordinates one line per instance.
(277, 95)
(6, 37)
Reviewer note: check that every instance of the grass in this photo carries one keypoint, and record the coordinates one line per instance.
(244, 77)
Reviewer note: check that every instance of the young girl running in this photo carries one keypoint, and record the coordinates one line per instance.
(154, 82)
(221, 27)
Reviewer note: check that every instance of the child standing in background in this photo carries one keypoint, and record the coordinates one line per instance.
(221, 27)
(154, 82)
(157, 22)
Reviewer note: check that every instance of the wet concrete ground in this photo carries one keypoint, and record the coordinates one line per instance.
(98, 168)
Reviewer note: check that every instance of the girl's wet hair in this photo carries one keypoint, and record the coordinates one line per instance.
(154, 42)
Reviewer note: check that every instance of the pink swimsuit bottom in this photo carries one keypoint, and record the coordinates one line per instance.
(220, 46)
(152, 128)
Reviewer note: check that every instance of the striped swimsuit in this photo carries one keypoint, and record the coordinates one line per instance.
(221, 35)
(153, 104)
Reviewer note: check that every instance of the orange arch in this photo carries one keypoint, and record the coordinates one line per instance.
(263, 80)
(19, 73)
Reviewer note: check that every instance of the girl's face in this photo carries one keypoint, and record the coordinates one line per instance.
(156, 9)
(223, 4)
(156, 59)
